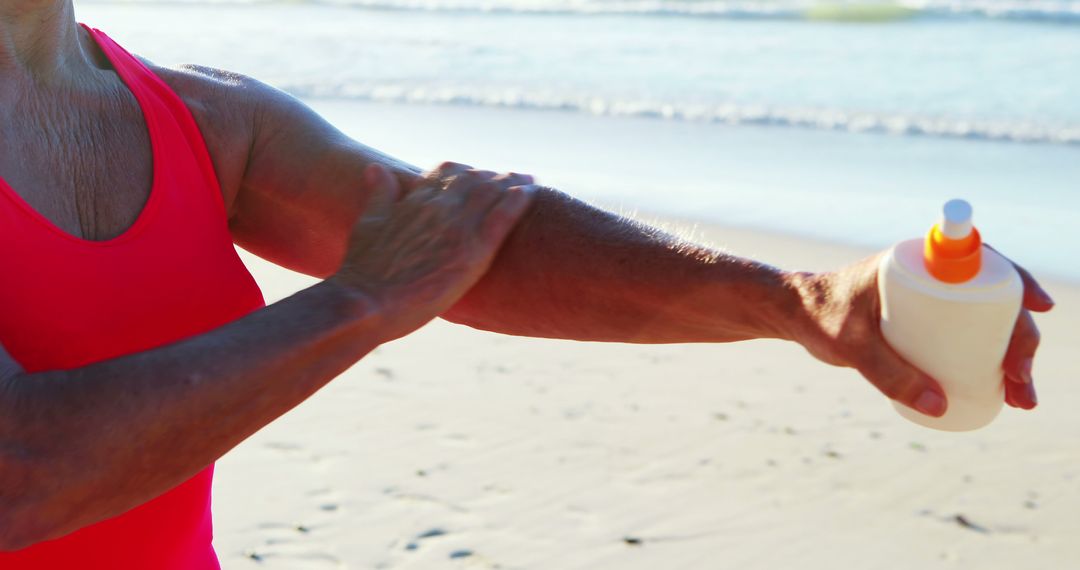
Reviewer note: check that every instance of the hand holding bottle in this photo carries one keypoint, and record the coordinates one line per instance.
(843, 329)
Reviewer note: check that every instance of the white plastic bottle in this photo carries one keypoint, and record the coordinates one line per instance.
(948, 306)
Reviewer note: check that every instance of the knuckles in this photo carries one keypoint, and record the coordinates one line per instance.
(449, 166)
(1026, 337)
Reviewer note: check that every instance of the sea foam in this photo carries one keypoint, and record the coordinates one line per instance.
(727, 113)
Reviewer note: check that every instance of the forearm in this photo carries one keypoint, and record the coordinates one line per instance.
(81, 445)
(573, 271)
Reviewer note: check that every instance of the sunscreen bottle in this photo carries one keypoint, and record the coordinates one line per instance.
(948, 306)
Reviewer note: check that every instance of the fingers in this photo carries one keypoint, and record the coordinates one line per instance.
(496, 200)
(481, 190)
(481, 198)
(1035, 297)
(512, 205)
(468, 179)
(900, 381)
(448, 169)
(447, 172)
(1019, 358)
(515, 179)
(1020, 395)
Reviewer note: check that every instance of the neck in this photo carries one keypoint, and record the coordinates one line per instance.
(40, 41)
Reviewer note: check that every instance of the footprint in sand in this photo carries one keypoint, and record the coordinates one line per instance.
(298, 544)
(414, 544)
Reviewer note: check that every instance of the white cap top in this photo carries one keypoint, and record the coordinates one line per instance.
(956, 219)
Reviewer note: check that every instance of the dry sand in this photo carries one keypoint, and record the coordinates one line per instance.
(454, 448)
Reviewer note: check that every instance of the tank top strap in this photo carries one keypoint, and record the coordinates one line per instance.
(164, 110)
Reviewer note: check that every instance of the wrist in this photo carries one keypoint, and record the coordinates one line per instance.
(389, 313)
(350, 302)
(764, 302)
(804, 292)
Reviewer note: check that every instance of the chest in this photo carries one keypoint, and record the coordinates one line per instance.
(85, 163)
(88, 173)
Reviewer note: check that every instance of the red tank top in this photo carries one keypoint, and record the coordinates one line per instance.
(66, 302)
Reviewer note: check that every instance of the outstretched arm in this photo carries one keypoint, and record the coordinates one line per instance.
(573, 271)
(569, 270)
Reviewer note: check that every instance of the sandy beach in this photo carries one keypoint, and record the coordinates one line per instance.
(802, 133)
(455, 448)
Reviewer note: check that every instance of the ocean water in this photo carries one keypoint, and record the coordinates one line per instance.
(878, 111)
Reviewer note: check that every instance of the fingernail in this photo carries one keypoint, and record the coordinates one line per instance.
(1046, 298)
(930, 403)
(1025, 369)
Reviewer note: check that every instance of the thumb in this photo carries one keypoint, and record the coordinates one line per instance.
(901, 381)
(383, 188)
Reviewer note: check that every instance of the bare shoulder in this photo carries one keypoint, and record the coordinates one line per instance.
(225, 106)
(247, 124)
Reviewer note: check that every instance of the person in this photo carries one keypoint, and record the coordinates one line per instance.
(138, 350)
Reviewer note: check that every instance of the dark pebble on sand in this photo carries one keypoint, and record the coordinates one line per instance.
(964, 522)
(461, 554)
(432, 533)
(632, 540)
(302, 528)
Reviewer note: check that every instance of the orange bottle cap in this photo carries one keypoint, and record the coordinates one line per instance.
(953, 260)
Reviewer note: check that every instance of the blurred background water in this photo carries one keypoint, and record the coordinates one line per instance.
(847, 121)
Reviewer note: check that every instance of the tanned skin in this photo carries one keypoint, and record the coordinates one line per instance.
(394, 248)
